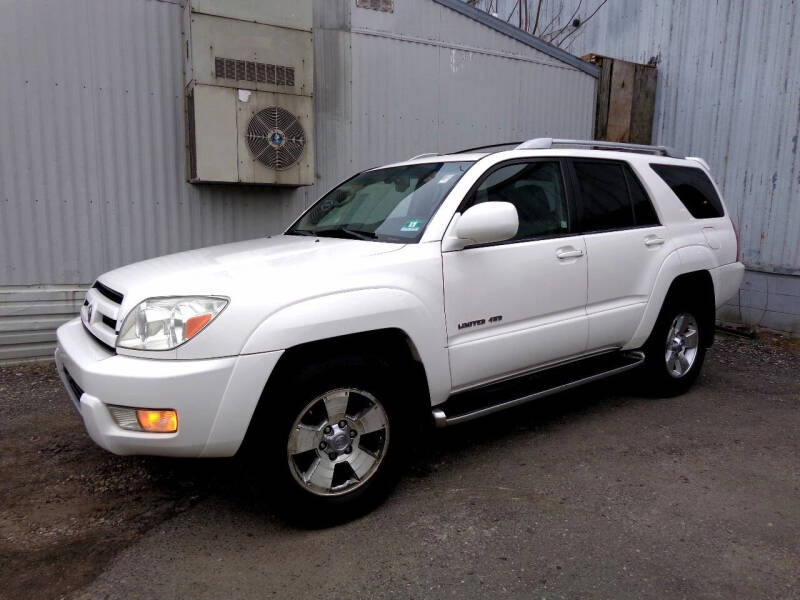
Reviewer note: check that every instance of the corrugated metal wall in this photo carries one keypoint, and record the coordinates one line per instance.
(92, 133)
(729, 91)
(427, 79)
(92, 145)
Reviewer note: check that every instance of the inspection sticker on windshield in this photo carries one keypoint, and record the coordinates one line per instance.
(413, 225)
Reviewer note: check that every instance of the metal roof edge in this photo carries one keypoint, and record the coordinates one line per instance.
(515, 32)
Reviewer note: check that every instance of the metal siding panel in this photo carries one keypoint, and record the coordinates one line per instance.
(454, 83)
(333, 99)
(29, 317)
(92, 145)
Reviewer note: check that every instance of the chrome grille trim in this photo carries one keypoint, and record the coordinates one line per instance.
(102, 306)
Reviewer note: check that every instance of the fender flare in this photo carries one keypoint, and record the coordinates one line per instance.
(679, 262)
(359, 311)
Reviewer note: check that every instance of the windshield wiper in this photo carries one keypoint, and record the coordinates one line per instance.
(301, 232)
(344, 232)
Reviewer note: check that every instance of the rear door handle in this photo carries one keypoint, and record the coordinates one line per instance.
(566, 253)
(653, 240)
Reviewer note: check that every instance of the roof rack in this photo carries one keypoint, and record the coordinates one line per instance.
(465, 150)
(547, 143)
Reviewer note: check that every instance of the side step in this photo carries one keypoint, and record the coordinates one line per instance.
(475, 403)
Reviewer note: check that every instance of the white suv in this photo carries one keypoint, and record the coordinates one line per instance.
(438, 289)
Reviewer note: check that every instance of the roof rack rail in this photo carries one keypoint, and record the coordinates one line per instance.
(547, 143)
(424, 155)
(465, 150)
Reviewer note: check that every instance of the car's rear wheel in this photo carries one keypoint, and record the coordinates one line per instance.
(330, 438)
(675, 351)
(682, 345)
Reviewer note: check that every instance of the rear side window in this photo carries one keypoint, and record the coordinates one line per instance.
(604, 196)
(612, 197)
(693, 188)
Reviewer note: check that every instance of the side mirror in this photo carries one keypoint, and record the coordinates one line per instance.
(486, 223)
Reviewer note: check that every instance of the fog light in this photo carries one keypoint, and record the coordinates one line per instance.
(125, 417)
(145, 419)
(157, 421)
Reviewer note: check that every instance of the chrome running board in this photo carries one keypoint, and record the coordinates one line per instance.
(473, 404)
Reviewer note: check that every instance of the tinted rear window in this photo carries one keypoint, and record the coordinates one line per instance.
(693, 188)
(604, 195)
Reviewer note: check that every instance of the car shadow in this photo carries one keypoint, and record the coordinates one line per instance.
(238, 481)
(536, 417)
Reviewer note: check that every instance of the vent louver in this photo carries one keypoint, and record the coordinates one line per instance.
(381, 5)
(276, 138)
(246, 70)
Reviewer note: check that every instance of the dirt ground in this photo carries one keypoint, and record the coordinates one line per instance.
(596, 493)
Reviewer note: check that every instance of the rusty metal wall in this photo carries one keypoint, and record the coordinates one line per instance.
(729, 91)
(92, 132)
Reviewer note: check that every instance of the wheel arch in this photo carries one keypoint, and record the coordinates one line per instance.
(678, 277)
(699, 286)
(392, 345)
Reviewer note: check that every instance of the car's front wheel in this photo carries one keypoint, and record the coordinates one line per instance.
(331, 436)
(338, 441)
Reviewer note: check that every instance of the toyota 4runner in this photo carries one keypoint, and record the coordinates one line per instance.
(439, 289)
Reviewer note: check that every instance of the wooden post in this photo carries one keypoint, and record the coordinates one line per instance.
(626, 95)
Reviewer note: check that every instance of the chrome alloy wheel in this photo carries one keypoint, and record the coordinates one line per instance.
(338, 441)
(682, 344)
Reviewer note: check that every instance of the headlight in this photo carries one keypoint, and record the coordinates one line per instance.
(166, 323)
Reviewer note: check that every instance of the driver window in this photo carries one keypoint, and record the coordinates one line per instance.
(536, 191)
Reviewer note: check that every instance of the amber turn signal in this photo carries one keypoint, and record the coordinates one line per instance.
(195, 325)
(157, 421)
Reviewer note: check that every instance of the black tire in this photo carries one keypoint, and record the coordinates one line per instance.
(658, 377)
(287, 400)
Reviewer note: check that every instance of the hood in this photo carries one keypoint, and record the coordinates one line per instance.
(219, 270)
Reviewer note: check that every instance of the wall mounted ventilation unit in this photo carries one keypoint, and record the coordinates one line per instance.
(249, 81)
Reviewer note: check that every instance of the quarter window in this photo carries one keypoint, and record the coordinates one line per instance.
(643, 211)
(693, 188)
(537, 192)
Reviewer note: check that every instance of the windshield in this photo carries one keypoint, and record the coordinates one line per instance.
(392, 204)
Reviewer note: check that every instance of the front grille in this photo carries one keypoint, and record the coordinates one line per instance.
(101, 313)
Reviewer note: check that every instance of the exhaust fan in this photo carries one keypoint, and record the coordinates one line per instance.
(276, 138)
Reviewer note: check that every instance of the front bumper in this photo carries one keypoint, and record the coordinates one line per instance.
(215, 398)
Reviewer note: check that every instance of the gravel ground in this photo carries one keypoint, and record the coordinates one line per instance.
(597, 493)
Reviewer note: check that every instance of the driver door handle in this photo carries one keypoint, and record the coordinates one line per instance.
(565, 253)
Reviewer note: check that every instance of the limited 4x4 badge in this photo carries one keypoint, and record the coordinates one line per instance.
(479, 322)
